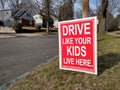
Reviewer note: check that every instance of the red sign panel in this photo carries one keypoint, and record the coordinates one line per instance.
(78, 45)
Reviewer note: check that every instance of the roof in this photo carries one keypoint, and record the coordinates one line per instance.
(43, 16)
(18, 13)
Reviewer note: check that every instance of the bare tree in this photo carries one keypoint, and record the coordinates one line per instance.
(104, 9)
(47, 6)
(46, 11)
(55, 7)
(112, 22)
(78, 14)
(28, 4)
(66, 10)
(24, 4)
(78, 9)
(113, 6)
(39, 5)
(3, 4)
(15, 3)
(102, 17)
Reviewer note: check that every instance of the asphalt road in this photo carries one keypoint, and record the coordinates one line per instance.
(20, 54)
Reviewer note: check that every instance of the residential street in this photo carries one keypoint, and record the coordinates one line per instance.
(18, 55)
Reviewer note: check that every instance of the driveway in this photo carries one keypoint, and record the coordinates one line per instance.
(18, 55)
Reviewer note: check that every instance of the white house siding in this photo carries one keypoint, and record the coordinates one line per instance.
(55, 24)
(38, 19)
(5, 17)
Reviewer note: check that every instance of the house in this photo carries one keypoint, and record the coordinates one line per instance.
(10, 15)
(5, 17)
(55, 19)
(39, 19)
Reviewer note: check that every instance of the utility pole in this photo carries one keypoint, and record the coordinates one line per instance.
(85, 8)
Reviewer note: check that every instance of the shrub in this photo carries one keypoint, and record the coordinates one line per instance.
(113, 26)
(1, 23)
(38, 27)
(17, 26)
(111, 22)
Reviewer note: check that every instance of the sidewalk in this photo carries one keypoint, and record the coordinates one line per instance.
(115, 33)
(6, 30)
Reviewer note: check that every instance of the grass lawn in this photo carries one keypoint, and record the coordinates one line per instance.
(50, 77)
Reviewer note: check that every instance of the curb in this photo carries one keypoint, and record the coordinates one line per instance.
(24, 35)
(6, 36)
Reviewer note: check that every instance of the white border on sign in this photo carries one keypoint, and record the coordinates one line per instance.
(95, 45)
(95, 40)
(60, 50)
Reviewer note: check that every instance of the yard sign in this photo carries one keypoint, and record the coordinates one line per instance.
(78, 45)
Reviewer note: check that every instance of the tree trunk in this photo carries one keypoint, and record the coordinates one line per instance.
(47, 26)
(102, 25)
(47, 15)
(102, 17)
(85, 8)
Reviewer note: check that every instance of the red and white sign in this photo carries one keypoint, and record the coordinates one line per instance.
(78, 45)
